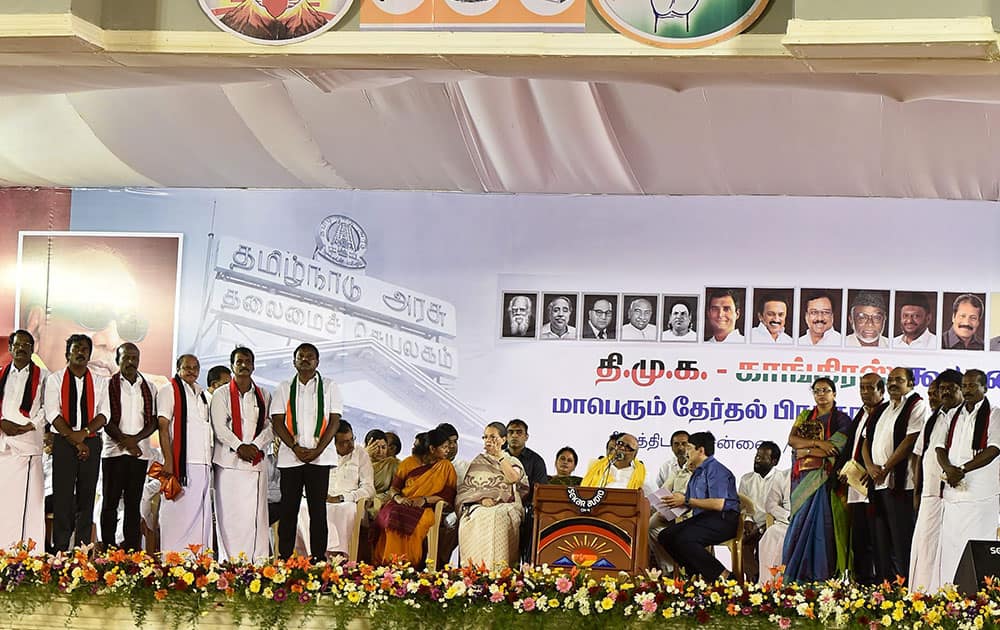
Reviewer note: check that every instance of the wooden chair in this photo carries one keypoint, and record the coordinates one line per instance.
(735, 545)
(432, 537)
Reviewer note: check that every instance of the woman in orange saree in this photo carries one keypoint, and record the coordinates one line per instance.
(421, 481)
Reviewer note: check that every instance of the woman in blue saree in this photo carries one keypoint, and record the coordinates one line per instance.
(818, 540)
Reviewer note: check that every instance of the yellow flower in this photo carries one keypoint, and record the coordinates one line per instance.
(354, 597)
(77, 572)
(268, 593)
(756, 599)
(897, 614)
(607, 603)
(279, 577)
(886, 620)
(213, 577)
(933, 616)
(553, 603)
(886, 605)
(255, 586)
(919, 606)
(668, 613)
(188, 577)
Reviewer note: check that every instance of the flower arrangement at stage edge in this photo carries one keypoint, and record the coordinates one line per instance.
(188, 585)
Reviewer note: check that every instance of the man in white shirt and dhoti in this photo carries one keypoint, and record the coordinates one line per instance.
(242, 432)
(186, 440)
(351, 480)
(22, 422)
(968, 457)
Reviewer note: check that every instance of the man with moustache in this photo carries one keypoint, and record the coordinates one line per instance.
(889, 441)
(755, 485)
(721, 317)
(560, 312)
(771, 322)
(305, 415)
(620, 468)
(819, 320)
(966, 319)
(861, 509)
(945, 395)
(127, 451)
(186, 440)
(679, 324)
(868, 321)
(915, 318)
(640, 312)
(520, 317)
(968, 457)
(673, 477)
(600, 318)
(678, 446)
(76, 405)
(242, 432)
(22, 423)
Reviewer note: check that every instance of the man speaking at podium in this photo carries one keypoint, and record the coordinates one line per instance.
(620, 468)
(712, 499)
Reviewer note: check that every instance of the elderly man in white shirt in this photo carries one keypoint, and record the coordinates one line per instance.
(968, 457)
(186, 439)
(351, 480)
(777, 503)
(22, 420)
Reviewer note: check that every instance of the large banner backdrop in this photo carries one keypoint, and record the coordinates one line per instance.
(580, 315)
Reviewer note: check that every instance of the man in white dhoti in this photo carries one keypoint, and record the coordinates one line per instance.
(351, 480)
(131, 421)
(22, 422)
(242, 432)
(677, 475)
(305, 413)
(968, 457)
(778, 504)
(945, 394)
(186, 440)
(76, 407)
(755, 485)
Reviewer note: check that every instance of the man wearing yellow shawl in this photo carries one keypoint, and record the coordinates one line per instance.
(619, 468)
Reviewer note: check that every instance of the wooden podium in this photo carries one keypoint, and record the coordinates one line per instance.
(600, 529)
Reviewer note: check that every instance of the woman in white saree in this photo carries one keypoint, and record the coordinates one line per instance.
(489, 501)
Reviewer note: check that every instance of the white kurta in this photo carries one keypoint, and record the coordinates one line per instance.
(352, 478)
(187, 520)
(778, 504)
(925, 553)
(23, 488)
(240, 486)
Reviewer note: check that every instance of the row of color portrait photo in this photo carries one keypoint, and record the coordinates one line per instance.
(903, 320)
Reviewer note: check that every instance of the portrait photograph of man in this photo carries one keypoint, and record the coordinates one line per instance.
(680, 318)
(559, 316)
(772, 309)
(724, 321)
(640, 318)
(819, 317)
(115, 288)
(914, 321)
(518, 316)
(600, 316)
(995, 324)
(867, 317)
(968, 316)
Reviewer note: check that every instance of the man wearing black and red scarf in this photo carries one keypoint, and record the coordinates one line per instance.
(968, 456)
(76, 405)
(242, 432)
(126, 454)
(22, 421)
(889, 441)
(186, 440)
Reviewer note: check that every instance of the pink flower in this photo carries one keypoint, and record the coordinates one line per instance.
(222, 584)
(649, 606)
(529, 604)
(784, 623)
(563, 585)
(496, 597)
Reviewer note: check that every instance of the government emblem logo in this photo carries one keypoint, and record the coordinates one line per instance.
(680, 23)
(340, 240)
(275, 21)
